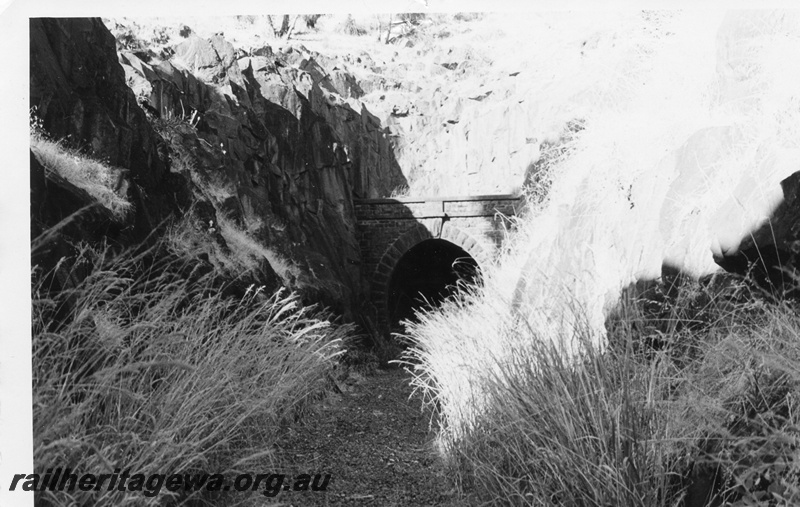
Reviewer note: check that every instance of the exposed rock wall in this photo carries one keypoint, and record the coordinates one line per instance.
(254, 139)
(703, 174)
(80, 94)
(296, 76)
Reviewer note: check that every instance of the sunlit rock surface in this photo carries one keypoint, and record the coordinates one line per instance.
(693, 171)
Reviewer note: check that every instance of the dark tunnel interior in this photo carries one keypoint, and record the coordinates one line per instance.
(425, 276)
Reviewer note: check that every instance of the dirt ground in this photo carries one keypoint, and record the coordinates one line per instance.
(377, 444)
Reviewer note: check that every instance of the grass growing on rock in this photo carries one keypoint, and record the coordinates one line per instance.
(144, 364)
(242, 242)
(100, 180)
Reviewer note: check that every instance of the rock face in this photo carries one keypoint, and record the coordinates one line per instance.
(297, 77)
(753, 225)
(253, 140)
(758, 228)
(260, 151)
(452, 133)
(677, 192)
(80, 93)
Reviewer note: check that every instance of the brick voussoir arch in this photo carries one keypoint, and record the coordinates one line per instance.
(466, 242)
(392, 255)
(388, 228)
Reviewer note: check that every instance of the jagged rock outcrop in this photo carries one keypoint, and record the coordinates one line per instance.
(365, 143)
(260, 163)
(230, 133)
(80, 94)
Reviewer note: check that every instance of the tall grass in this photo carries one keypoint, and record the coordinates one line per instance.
(695, 397)
(675, 411)
(143, 364)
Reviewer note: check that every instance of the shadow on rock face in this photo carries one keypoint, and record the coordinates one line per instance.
(259, 140)
(771, 254)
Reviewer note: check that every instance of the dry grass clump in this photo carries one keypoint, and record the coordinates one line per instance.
(240, 253)
(704, 405)
(540, 403)
(144, 365)
(248, 249)
(100, 180)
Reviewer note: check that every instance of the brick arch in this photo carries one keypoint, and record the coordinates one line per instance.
(417, 234)
(466, 241)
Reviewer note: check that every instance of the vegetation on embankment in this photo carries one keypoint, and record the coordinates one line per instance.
(700, 400)
(677, 163)
(649, 152)
(147, 360)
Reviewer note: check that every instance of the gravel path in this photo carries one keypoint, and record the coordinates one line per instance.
(375, 442)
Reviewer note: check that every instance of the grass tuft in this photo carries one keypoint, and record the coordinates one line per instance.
(707, 410)
(145, 365)
(101, 181)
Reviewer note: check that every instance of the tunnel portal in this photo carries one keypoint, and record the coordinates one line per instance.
(471, 228)
(425, 276)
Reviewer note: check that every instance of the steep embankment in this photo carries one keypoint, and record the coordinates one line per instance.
(677, 164)
(236, 144)
(79, 93)
(687, 160)
(695, 167)
(681, 165)
(660, 161)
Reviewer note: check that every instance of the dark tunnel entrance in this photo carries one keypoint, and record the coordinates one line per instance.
(425, 276)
